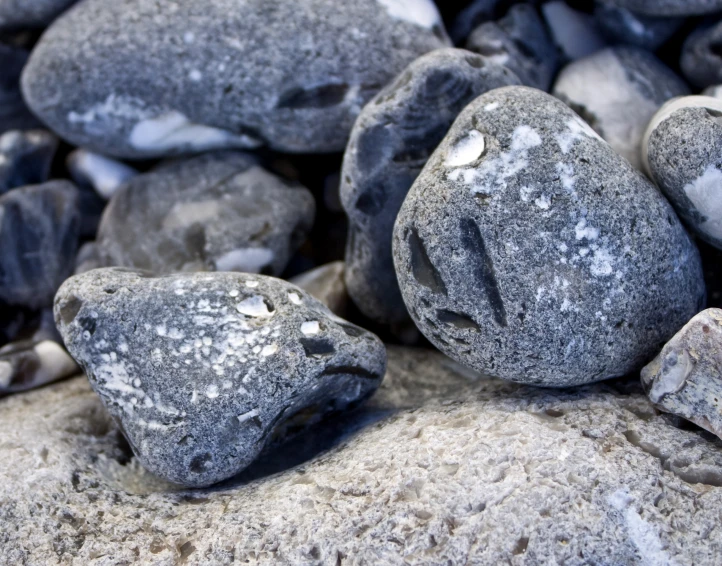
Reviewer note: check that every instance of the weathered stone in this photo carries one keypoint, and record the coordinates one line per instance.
(622, 26)
(326, 283)
(25, 158)
(670, 7)
(23, 14)
(102, 174)
(700, 60)
(30, 364)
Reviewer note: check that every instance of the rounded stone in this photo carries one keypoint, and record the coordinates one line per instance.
(623, 26)
(670, 7)
(24, 14)
(700, 60)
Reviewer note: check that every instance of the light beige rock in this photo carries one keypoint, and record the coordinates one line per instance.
(326, 283)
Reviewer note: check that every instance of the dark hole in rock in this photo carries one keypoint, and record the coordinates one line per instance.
(461, 321)
(69, 309)
(372, 200)
(186, 549)
(556, 413)
(88, 324)
(317, 97)
(124, 453)
(421, 267)
(715, 48)
(317, 347)
(476, 62)
(521, 546)
(198, 463)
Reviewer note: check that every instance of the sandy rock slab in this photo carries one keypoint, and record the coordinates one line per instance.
(441, 466)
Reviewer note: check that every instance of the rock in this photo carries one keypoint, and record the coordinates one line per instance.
(39, 226)
(25, 158)
(201, 370)
(438, 467)
(684, 379)
(529, 250)
(381, 163)
(617, 91)
(87, 258)
(24, 14)
(227, 73)
(700, 60)
(681, 151)
(215, 212)
(14, 114)
(573, 31)
(714, 91)
(474, 14)
(620, 25)
(669, 7)
(98, 172)
(326, 283)
(29, 364)
(521, 42)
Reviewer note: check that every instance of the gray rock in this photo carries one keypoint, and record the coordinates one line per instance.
(29, 364)
(617, 91)
(521, 42)
(389, 145)
(102, 174)
(39, 227)
(573, 31)
(87, 258)
(326, 283)
(202, 369)
(215, 212)
(528, 249)
(474, 14)
(622, 26)
(25, 158)
(143, 78)
(670, 7)
(437, 468)
(24, 14)
(682, 148)
(715, 91)
(700, 60)
(14, 114)
(684, 379)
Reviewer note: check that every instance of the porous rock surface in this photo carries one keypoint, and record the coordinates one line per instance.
(439, 467)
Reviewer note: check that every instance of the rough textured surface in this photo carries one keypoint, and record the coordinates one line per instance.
(390, 143)
(528, 249)
(700, 61)
(622, 26)
(39, 226)
(216, 212)
(326, 283)
(617, 91)
(201, 369)
(25, 158)
(14, 114)
(435, 469)
(23, 14)
(139, 78)
(670, 7)
(686, 377)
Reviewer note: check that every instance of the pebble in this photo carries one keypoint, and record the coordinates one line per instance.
(617, 91)
(201, 369)
(669, 7)
(390, 143)
(25, 158)
(700, 60)
(221, 74)
(527, 249)
(215, 212)
(620, 25)
(473, 15)
(573, 31)
(14, 114)
(29, 364)
(39, 229)
(685, 379)
(24, 14)
(326, 283)
(102, 174)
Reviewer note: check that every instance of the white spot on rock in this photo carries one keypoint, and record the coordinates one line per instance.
(310, 328)
(247, 416)
(247, 260)
(254, 306)
(422, 13)
(103, 173)
(295, 298)
(269, 350)
(582, 231)
(543, 202)
(467, 150)
(212, 391)
(706, 196)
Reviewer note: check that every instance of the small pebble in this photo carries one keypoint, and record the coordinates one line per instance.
(103, 174)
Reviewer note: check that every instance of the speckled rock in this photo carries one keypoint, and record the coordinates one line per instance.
(521, 42)
(215, 212)
(39, 227)
(25, 158)
(700, 61)
(389, 145)
(670, 7)
(201, 369)
(326, 283)
(23, 14)
(102, 174)
(142, 78)
(436, 468)
(683, 154)
(617, 91)
(528, 249)
(686, 378)
(622, 26)
(14, 114)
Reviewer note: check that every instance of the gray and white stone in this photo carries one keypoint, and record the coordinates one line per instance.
(438, 467)
(326, 283)
(683, 153)
(529, 250)
(216, 212)
(28, 14)
(686, 377)
(617, 91)
(390, 143)
(25, 158)
(146, 78)
(670, 7)
(39, 229)
(102, 174)
(521, 42)
(30, 364)
(620, 25)
(700, 61)
(14, 114)
(715, 91)
(201, 369)
(573, 31)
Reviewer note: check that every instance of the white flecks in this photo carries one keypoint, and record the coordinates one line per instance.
(227, 384)
(675, 370)
(251, 284)
(114, 108)
(567, 178)
(524, 138)
(491, 107)
(103, 173)
(194, 397)
(578, 130)
(310, 328)
(543, 202)
(234, 292)
(602, 263)
(706, 196)
(247, 416)
(422, 13)
(295, 298)
(161, 330)
(195, 75)
(184, 214)
(254, 306)
(6, 373)
(175, 334)
(137, 382)
(562, 247)
(115, 377)
(525, 193)
(247, 260)
(467, 150)
(583, 231)
(269, 350)
(207, 341)
(189, 37)
(642, 534)
(212, 391)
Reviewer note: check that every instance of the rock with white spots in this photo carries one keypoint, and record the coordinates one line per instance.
(39, 229)
(202, 369)
(521, 42)
(529, 250)
(215, 212)
(617, 91)
(670, 7)
(144, 78)
(24, 14)
(326, 283)
(25, 158)
(686, 377)
(573, 31)
(14, 114)
(103, 174)
(620, 25)
(700, 61)
(683, 152)
(390, 143)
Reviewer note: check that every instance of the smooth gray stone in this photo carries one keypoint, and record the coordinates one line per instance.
(575, 32)
(622, 26)
(326, 283)
(202, 369)
(529, 250)
(14, 114)
(522, 42)
(215, 212)
(390, 143)
(475, 14)
(147, 78)
(39, 229)
(437, 461)
(24, 14)
(617, 91)
(670, 7)
(102, 174)
(700, 60)
(25, 158)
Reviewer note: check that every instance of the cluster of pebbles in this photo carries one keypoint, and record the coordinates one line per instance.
(528, 192)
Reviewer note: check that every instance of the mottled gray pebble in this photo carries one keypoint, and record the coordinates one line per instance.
(25, 158)
(326, 283)
(620, 25)
(700, 61)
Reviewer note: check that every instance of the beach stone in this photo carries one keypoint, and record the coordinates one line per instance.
(39, 229)
(149, 78)
(685, 378)
(25, 158)
(435, 462)
(326, 283)
(620, 25)
(215, 212)
(574, 32)
(390, 143)
(617, 91)
(670, 7)
(700, 60)
(529, 250)
(14, 114)
(682, 147)
(32, 363)
(715, 91)
(520, 41)
(201, 369)
(24, 14)
(471, 16)
(103, 174)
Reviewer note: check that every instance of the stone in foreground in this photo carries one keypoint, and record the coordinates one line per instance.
(529, 250)
(201, 369)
